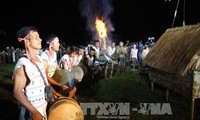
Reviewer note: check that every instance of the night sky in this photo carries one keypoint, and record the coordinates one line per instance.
(132, 20)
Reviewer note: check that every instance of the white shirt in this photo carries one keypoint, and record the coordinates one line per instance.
(134, 53)
(67, 59)
(51, 61)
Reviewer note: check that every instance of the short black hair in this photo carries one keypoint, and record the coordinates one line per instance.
(81, 47)
(91, 49)
(49, 38)
(24, 31)
(73, 49)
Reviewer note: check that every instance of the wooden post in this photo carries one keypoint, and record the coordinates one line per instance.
(167, 94)
(192, 108)
(152, 85)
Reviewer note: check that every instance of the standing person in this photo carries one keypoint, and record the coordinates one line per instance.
(139, 54)
(145, 51)
(3, 55)
(133, 57)
(13, 51)
(28, 87)
(49, 56)
(111, 51)
(121, 51)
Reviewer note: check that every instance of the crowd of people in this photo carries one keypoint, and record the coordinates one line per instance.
(10, 54)
(36, 65)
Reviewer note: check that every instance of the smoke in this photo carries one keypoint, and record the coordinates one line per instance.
(91, 9)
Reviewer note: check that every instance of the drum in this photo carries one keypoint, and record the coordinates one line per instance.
(115, 56)
(102, 59)
(62, 76)
(78, 73)
(65, 108)
(85, 70)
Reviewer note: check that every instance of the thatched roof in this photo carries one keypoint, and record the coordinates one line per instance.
(176, 51)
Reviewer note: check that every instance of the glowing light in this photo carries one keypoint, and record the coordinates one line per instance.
(101, 28)
(102, 32)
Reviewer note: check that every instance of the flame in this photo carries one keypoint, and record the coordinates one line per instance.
(101, 28)
(102, 31)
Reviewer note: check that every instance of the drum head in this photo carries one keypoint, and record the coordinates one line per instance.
(115, 56)
(78, 73)
(62, 76)
(102, 59)
(65, 108)
(85, 70)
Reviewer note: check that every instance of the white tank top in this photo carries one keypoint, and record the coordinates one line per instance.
(52, 62)
(35, 89)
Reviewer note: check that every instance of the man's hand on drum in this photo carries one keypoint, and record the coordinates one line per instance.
(36, 115)
(56, 95)
(64, 87)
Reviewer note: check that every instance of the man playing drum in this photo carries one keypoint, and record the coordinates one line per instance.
(66, 62)
(50, 58)
(30, 77)
(79, 57)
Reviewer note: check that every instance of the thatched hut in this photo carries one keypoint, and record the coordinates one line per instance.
(174, 61)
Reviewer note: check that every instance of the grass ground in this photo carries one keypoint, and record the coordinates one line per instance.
(131, 87)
